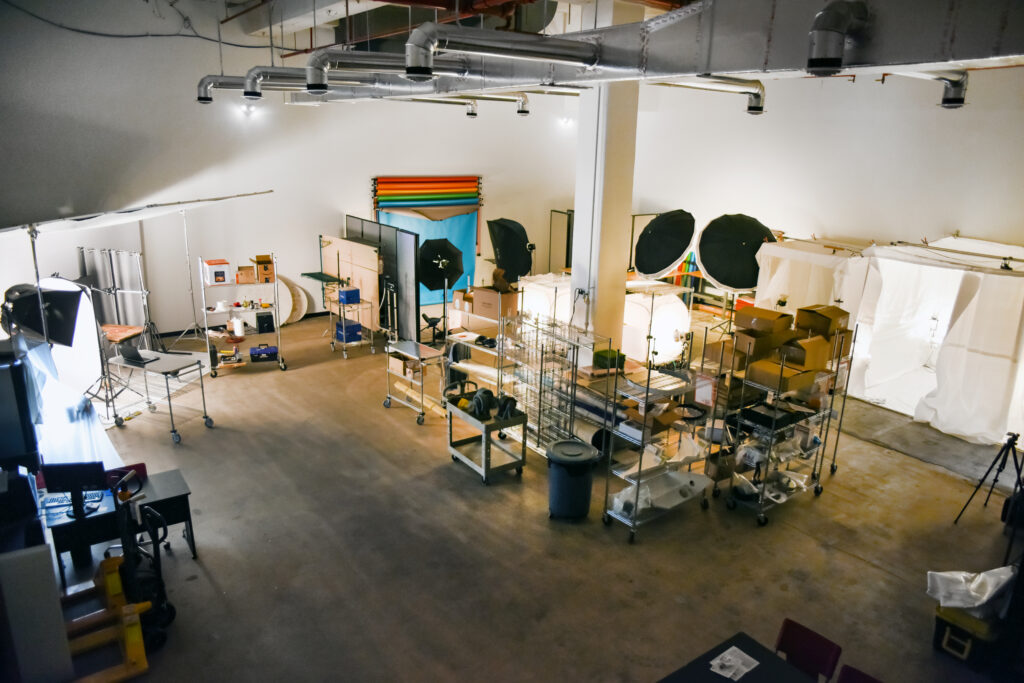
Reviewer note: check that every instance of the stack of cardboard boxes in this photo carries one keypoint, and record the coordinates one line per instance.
(781, 353)
(486, 304)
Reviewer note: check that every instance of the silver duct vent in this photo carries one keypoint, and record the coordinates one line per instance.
(425, 39)
(208, 83)
(294, 78)
(828, 35)
(754, 90)
(343, 59)
(954, 85)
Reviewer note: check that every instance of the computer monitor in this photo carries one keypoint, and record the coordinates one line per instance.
(75, 478)
(18, 445)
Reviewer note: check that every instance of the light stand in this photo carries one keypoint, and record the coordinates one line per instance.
(194, 330)
(442, 263)
(999, 463)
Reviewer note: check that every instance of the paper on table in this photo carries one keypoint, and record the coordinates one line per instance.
(733, 663)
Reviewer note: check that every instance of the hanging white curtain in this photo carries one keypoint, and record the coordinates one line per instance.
(979, 394)
(807, 274)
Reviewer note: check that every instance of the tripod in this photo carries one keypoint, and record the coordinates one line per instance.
(999, 463)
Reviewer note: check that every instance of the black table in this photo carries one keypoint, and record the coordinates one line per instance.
(166, 492)
(770, 667)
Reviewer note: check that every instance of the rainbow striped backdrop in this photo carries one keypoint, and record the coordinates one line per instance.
(424, 191)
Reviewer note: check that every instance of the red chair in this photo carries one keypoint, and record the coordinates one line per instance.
(807, 650)
(849, 674)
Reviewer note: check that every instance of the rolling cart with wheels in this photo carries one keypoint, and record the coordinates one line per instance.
(480, 452)
(422, 356)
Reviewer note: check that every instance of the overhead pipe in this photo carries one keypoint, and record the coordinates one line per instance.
(208, 83)
(827, 39)
(338, 57)
(293, 78)
(471, 106)
(754, 90)
(429, 37)
(954, 85)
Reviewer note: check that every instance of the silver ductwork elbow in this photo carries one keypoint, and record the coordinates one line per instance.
(522, 104)
(429, 37)
(754, 90)
(954, 85)
(258, 74)
(827, 39)
(208, 83)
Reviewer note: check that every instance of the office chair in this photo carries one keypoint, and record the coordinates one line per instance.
(849, 674)
(432, 323)
(808, 650)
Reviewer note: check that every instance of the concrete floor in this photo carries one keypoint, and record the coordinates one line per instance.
(338, 541)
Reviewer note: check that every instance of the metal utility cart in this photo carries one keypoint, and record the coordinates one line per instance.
(423, 356)
(338, 307)
(274, 309)
(478, 452)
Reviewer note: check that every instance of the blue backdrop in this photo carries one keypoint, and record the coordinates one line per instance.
(459, 230)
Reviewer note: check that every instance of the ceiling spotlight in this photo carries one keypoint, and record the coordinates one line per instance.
(248, 109)
(471, 110)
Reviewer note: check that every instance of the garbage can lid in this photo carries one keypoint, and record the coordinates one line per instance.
(571, 452)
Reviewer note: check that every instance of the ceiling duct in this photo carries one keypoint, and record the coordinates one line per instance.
(343, 59)
(754, 90)
(293, 78)
(954, 85)
(429, 37)
(738, 37)
(828, 35)
(208, 83)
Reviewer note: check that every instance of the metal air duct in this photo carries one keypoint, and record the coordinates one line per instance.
(425, 39)
(828, 35)
(754, 90)
(208, 83)
(954, 85)
(341, 58)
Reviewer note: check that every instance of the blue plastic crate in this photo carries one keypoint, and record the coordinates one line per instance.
(348, 295)
(351, 331)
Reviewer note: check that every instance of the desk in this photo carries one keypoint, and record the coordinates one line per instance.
(770, 667)
(169, 365)
(166, 492)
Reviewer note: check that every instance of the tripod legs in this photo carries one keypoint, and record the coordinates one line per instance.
(999, 464)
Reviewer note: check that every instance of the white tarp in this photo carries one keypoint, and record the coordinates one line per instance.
(940, 334)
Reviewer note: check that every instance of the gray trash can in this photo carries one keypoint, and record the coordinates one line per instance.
(570, 478)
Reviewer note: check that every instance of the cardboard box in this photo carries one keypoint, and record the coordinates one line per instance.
(729, 358)
(396, 364)
(758, 345)
(246, 275)
(462, 300)
(766, 373)
(762, 319)
(812, 353)
(216, 272)
(264, 268)
(821, 319)
(490, 303)
(841, 347)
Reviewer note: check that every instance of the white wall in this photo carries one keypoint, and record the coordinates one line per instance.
(100, 124)
(835, 158)
(97, 124)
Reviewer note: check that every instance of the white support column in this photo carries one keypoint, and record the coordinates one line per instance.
(606, 150)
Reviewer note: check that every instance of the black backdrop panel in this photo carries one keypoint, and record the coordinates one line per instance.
(398, 252)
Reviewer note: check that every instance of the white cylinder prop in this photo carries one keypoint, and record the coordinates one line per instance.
(238, 327)
(547, 296)
(669, 326)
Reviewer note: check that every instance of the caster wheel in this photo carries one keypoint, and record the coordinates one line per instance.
(833, 468)
(344, 354)
(387, 403)
(167, 547)
(502, 435)
(818, 489)
(704, 504)
(332, 347)
(607, 520)
(814, 476)
(151, 407)
(213, 373)
(486, 481)
(762, 520)
(519, 471)
(632, 537)
(730, 504)
(454, 459)
(419, 419)
(716, 492)
(176, 437)
(284, 367)
(119, 421)
(373, 350)
(208, 421)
